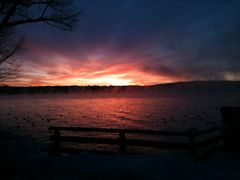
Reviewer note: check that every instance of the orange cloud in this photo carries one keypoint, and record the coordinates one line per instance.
(57, 69)
(94, 73)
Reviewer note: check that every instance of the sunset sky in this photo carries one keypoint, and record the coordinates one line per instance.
(136, 42)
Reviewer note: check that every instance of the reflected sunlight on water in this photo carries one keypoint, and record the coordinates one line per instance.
(32, 115)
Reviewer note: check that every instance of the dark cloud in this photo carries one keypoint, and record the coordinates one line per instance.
(188, 39)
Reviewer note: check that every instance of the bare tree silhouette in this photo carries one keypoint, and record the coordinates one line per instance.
(58, 13)
(9, 47)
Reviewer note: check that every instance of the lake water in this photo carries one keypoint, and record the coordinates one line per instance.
(31, 115)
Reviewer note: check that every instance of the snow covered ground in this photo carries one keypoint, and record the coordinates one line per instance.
(22, 158)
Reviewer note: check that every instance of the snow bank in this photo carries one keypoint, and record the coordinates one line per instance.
(21, 158)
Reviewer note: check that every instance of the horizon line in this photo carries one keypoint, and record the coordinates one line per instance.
(176, 82)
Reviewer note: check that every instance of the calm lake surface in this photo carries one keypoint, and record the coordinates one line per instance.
(31, 115)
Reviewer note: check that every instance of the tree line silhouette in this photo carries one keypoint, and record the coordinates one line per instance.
(62, 89)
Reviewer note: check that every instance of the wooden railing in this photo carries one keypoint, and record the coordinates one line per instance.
(194, 144)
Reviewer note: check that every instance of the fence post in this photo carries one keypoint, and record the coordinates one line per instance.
(122, 144)
(56, 140)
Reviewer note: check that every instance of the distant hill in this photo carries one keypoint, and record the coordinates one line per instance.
(193, 88)
(199, 88)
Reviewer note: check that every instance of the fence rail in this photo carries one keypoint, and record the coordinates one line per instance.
(193, 145)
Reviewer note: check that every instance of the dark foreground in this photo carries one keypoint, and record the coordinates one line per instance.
(21, 158)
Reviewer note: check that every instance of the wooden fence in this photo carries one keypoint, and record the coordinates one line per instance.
(211, 139)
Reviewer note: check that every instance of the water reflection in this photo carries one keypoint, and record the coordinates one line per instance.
(33, 115)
